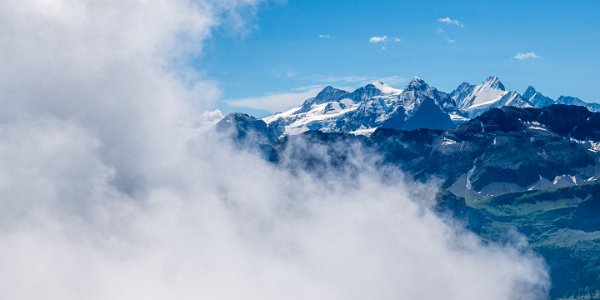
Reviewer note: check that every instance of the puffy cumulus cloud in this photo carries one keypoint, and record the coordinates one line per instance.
(526, 56)
(378, 39)
(449, 21)
(212, 116)
(117, 66)
(113, 188)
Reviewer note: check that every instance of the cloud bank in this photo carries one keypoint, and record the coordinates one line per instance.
(113, 188)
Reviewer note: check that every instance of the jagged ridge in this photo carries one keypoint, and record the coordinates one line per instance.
(417, 106)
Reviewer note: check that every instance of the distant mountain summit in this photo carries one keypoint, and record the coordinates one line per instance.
(576, 101)
(535, 98)
(475, 99)
(417, 106)
(370, 107)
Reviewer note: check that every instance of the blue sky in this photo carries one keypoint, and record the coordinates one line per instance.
(296, 47)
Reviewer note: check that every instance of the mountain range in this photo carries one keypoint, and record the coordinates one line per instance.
(504, 161)
(526, 169)
(418, 105)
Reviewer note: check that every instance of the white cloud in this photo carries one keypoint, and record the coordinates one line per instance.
(449, 21)
(328, 79)
(223, 218)
(324, 36)
(110, 190)
(212, 116)
(351, 82)
(275, 102)
(397, 40)
(378, 39)
(527, 56)
(450, 41)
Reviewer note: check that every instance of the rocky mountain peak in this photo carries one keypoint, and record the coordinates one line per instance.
(330, 93)
(494, 82)
(417, 84)
(529, 92)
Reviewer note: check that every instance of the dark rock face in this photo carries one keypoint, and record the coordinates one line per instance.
(565, 120)
(366, 115)
(503, 150)
(561, 225)
(249, 133)
(498, 146)
(418, 91)
(246, 127)
(427, 115)
(330, 94)
(529, 92)
(364, 93)
(396, 120)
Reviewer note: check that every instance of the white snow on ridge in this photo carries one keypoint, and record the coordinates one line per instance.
(323, 116)
(564, 179)
(482, 103)
(386, 89)
(446, 141)
(364, 131)
(481, 96)
(512, 99)
(536, 126)
(484, 94)
(594, 146)
(321, 113)
(457, 117)
(285, 114)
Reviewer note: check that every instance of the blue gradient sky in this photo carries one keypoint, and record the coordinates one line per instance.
(283, 52)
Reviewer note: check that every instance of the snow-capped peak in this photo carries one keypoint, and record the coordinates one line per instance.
(417, 83)
(535, 98)
(419, 105)
(386, 89)
(330, 93)
(529, 92)
(494, 83)
(480, 96)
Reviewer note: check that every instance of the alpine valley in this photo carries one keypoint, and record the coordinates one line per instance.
(504, 161)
